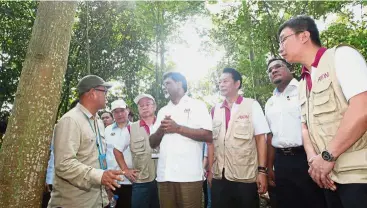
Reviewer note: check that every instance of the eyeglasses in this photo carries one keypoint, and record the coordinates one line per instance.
(105, 91)
(145, 105)
(276, 66)
(281, 42)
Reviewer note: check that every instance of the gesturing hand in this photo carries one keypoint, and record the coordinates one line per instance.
(110, 178)
(169, 126)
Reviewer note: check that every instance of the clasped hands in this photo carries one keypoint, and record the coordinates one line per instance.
(320, 172)
(169, 126)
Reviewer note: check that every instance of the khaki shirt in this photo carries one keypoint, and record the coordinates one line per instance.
(78, 175)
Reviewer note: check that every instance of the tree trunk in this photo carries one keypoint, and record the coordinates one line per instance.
(24, 155)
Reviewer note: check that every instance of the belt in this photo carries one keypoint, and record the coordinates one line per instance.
(289, 151)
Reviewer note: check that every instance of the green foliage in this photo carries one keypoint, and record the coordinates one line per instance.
(248, 32)
(15, 29)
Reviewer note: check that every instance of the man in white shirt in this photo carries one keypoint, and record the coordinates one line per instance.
(181, 127)
(239, 129)
(294, 187)
(333, 99)
(115, 134)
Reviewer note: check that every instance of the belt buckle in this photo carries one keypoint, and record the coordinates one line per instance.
(288, 151)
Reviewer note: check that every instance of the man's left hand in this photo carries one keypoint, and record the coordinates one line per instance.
(262, 183)
(169, 126)
(319, 171)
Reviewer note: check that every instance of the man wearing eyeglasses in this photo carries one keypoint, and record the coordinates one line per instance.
(144, 162)
(291, 182)
(333, 99)
(79, 151)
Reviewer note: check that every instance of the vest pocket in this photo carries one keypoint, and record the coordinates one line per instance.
(324, 103)
(241, 131)
(244, 164)
(138, 145)
(140, 164)
(348, 162)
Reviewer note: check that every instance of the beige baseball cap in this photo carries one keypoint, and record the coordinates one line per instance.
(118, 104)
(141, 96)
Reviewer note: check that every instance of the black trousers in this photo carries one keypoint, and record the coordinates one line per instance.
(229, 194)
(205, 191)
(347, 196)
(124, 193)
(294, 186)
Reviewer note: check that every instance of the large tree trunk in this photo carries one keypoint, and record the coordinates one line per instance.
(24, 154)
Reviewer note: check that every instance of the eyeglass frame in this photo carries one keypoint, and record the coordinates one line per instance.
(281, 42)
(105, 91)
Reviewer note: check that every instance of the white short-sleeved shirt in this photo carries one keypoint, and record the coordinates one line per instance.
(180, 157)
(351, 71)
(117, 137)
(283, 114)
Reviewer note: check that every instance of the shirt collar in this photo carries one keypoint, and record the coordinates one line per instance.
(85, 111)
(238, 101)
(315, 63)
(185, 98)
(293, 83)
(142, 122)
(114, 125)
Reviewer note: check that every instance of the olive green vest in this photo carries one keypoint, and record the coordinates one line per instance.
(142, 154)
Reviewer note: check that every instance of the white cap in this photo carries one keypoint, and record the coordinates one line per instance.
(141, 96)
(118, 104)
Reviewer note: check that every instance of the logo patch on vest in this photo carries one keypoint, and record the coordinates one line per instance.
(242, 117)
(323, 76)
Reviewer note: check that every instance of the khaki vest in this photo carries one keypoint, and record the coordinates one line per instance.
(142, 154)
(235, 150)
(323, 109)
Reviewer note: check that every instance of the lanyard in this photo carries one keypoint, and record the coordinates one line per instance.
(98, 136)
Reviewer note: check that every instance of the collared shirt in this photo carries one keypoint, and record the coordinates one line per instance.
(258, 118)
(50, 166)
(78, 174)
(180, 157)
(283, 114)
(114, 137)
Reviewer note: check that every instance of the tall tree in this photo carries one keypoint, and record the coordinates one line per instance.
(24, 154)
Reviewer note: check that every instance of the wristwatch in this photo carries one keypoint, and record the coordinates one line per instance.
(327, 156)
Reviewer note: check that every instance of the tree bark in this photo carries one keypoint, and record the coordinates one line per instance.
(24, 154)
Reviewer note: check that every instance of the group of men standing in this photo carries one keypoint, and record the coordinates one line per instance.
(310, 145)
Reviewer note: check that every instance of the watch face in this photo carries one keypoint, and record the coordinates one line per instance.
(326, 156)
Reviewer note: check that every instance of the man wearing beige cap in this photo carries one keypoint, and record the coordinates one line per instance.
(145, 191)
(79, 150)
(115, 135)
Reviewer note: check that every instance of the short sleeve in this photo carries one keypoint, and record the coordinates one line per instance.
(259, 120)
(351, 71)
(123, 143)
(203, 118)
(157, 122)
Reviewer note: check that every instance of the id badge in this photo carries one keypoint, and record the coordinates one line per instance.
(102, 161)
(155, 154)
